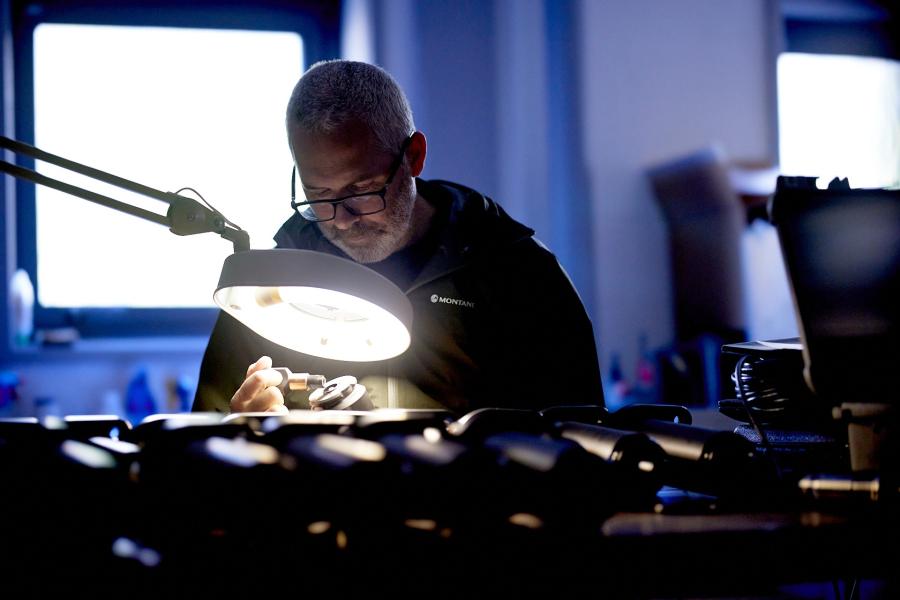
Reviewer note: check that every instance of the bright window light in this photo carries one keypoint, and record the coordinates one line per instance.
(839, 116)
(167, 108)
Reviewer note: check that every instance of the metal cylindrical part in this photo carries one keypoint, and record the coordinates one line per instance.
(298, 381)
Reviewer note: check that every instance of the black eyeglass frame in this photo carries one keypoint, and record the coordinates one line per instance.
(335, 201)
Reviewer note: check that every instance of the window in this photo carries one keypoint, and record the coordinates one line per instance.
(169, 107)
(839, 117)
(839, 92)
(170, 98)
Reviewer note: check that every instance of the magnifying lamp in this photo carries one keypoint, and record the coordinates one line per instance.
(306, 301)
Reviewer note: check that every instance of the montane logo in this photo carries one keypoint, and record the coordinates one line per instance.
(454, 301)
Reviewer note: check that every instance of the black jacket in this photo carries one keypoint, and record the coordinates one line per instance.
(496, 321)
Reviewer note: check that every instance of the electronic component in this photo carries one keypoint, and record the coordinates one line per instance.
(341, 393)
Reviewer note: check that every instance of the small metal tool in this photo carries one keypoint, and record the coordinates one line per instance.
(298, 381)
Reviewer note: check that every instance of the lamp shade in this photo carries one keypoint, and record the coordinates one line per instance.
(316, 303)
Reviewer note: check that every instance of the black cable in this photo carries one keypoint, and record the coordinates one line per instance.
(763, 438)
(210, 206)
(767, 390)
(853, 589)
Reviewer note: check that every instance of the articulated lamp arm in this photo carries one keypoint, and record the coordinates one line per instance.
(185, 216)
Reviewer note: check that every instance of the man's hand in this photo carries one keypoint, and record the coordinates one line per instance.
(259, 393)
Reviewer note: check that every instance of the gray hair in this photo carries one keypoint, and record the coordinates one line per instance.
(334, 93)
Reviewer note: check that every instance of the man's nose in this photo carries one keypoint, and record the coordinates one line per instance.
(342, 218)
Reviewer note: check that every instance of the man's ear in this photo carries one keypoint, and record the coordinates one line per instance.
(415, 153)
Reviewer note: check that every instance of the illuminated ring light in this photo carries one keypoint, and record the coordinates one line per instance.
(316, 303)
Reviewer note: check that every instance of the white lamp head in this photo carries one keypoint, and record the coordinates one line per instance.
(316, 303)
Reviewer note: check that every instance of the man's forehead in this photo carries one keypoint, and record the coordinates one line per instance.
(346, 154)
(349, 135)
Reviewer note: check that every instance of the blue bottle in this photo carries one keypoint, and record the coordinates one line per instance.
(139, 401)
(184, 387)
(9, 396)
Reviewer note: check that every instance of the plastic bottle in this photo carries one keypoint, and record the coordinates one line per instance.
(21, 301)
(139, 400)
(619, 387)
(645, 372)
(9, 394)
(180, 394)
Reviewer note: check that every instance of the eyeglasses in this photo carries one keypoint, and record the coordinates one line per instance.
(366, 203)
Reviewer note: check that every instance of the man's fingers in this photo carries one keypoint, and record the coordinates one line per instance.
(264, 362)
(267, 400)
(259, 381)
(255, 384)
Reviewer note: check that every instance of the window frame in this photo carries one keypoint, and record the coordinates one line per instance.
(856, 29)
(318, 24)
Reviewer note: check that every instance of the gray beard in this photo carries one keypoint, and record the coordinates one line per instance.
(382, 240)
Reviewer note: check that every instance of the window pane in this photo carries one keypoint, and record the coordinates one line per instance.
(168, 108)
(839, 116)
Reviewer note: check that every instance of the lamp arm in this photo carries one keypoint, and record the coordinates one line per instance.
(73, 190)
(185, 216)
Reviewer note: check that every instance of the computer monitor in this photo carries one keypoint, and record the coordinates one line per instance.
(841, 248)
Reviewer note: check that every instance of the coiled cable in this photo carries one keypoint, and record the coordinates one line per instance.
(772, 391)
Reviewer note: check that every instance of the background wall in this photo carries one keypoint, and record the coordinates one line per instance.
(663, 80)
(555, 108)
(646, 81)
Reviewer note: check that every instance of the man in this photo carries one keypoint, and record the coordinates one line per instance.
(496, 321)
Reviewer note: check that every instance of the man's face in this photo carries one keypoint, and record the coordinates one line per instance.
(345, 163)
